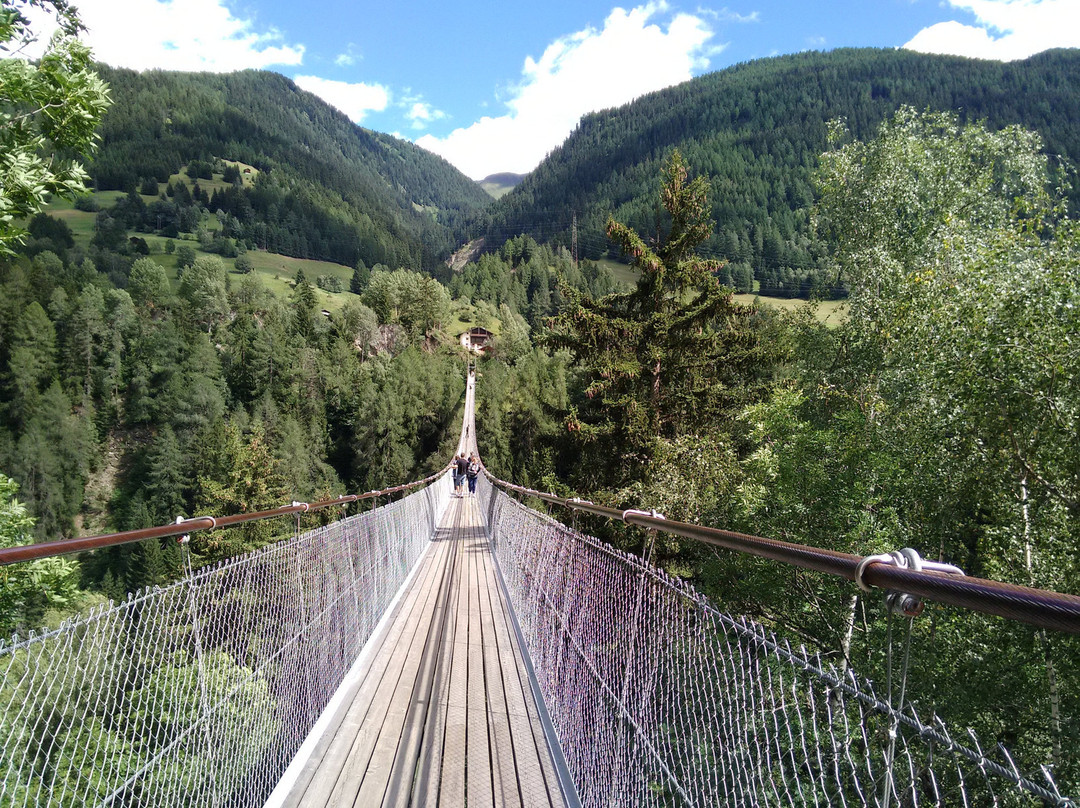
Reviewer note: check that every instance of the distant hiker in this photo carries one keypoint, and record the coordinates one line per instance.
(472, 471)
(461, 465)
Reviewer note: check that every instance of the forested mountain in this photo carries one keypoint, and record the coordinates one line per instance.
(757, 130)
(326, 188)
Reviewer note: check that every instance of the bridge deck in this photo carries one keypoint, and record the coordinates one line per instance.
(443, 714)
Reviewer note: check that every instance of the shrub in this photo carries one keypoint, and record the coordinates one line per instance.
(329, 283)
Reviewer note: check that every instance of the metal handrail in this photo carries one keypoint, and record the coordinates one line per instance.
(48, 549)
(1038, 607)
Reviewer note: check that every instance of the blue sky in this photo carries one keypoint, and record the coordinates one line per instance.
(494, 86)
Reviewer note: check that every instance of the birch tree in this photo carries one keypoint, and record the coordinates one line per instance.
(49, 112)
(962, 352)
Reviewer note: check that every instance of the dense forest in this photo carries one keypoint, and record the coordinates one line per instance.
(323, 187)
(155, 363)
(141, 380)
(758, 130)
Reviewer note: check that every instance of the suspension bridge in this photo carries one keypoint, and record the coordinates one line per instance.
(471, 651)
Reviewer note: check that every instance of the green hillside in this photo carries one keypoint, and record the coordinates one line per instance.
(757, 130)
(317, 186)
(276, 271)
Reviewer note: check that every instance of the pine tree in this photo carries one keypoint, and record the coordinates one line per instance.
(166, 478)
(111, 588)
(147, 565)
(360, 278)
(203, 289)
(305, 304)
(32, 366)
(674, 355)
(235, 473)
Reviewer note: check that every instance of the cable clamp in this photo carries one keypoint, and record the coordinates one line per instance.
(652, 513)
(185, 538)
(306, 506)
(580, 501)
(880, 558)
(213, 521)
(908, 558)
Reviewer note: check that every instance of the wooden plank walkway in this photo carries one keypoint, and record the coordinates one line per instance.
(443, 714)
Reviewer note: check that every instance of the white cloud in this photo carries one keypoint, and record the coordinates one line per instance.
(348, 58)
(178, 35)
(194, 35)
(576, 74)
(422, 113)
(1004, 29)
(727, 15)
(354, 99)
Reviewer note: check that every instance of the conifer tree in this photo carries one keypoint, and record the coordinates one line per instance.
(235, 473)
(203, 289)
(305, 304)
(32, 365)
(672, 356)
(147, 565)
(360, 278)
(165, 479)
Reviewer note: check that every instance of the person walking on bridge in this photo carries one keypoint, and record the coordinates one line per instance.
(461, 465)
(472, 471)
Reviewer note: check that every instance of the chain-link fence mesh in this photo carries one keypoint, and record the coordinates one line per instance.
(200, 692)
(658, 698)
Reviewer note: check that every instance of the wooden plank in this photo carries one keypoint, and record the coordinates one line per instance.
(403, 734)
(535, 768)
(478, 763)
(503, 767)
(504, 772)
(408, 750)
(452, 785)
(418, 764)
(356, 771)
(535, 788)
(320, 775)
(539, 738)
(430, 766)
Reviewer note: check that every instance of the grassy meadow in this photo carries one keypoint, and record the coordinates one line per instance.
(275, 271)
(278, 271)
(830, 312)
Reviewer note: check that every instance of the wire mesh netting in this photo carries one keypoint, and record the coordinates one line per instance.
(201, 692)
(659, 698)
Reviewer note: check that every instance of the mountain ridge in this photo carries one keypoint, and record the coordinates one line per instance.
(355, 194)
(757, 130)
(501, 183)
